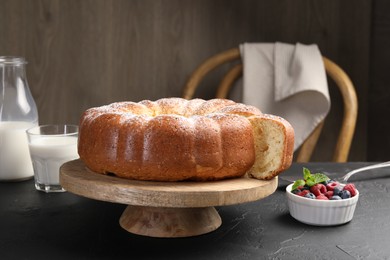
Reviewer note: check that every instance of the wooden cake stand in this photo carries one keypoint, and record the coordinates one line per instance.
(164, 209)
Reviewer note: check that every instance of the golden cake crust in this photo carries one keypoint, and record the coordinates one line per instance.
(171, 139)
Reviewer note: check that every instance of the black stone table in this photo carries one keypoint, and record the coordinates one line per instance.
(36, 225)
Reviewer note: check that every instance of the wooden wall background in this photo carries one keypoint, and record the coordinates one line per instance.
(93, 52)
(379, 90)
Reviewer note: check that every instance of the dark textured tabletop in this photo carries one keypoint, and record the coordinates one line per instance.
(36, 225)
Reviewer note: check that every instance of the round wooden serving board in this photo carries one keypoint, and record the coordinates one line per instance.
(164, 209)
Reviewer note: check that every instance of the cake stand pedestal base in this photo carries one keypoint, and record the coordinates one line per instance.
(169, 222)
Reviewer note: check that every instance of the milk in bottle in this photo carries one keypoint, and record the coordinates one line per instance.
(18, 112)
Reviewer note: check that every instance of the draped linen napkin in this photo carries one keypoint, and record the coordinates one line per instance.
(285, 80)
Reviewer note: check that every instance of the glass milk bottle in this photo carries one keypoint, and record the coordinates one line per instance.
(18, 112)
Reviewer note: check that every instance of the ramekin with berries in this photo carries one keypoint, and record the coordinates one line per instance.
(318, 200)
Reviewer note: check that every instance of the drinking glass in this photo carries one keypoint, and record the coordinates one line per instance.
(51, 146)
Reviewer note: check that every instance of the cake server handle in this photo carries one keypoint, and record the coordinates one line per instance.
(366, 168)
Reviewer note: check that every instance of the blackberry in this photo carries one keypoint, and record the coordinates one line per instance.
(304, 187)
(327, 182)
(296, 191)
(310, 196)
(345, 194)
(337, 190)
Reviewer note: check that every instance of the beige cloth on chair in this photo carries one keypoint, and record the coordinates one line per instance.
(285, 80)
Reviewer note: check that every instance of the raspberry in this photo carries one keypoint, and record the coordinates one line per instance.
(322, 197)
(351, 188)
(315, 190)
(329, 194)
(318, 189)
(322, 188)
(332, 185)
(303, 193)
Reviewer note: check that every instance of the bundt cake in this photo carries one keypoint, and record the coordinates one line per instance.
(174, 139)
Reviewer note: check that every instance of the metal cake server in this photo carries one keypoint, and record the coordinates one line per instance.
(366, 168)
(348, 175)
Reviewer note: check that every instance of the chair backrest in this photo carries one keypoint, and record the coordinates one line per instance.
(341, 79)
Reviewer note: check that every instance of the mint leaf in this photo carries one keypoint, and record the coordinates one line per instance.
(306, 174)
(310, 182)
(298, 183)
(309, 179)
(316, 178)
(319, 177)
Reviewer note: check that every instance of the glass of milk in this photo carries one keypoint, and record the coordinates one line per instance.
(51, 146)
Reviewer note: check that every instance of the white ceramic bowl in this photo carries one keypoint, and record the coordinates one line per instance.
(321, 212)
